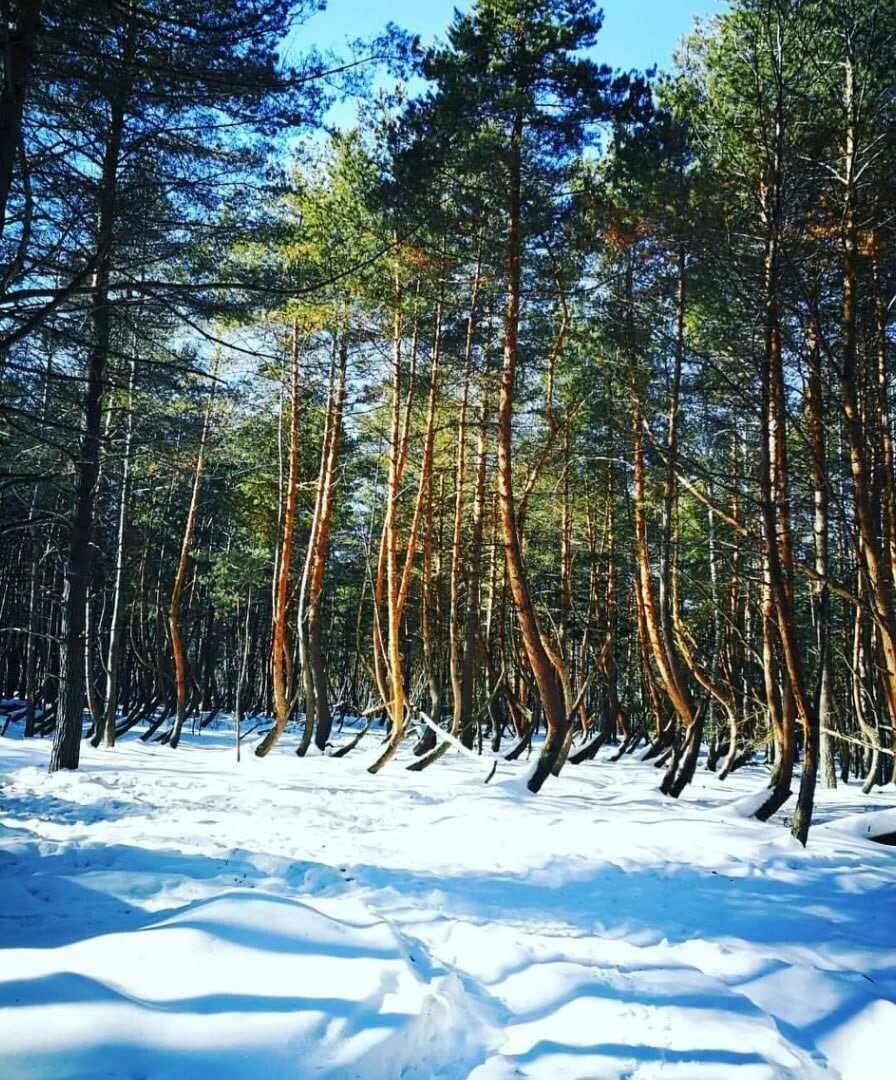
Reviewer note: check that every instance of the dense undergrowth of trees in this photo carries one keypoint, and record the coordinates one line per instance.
(550, 399)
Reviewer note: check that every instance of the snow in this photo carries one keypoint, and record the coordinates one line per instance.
(881, 823)
(173, 914)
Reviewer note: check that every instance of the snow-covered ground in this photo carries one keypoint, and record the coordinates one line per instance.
(173, 914)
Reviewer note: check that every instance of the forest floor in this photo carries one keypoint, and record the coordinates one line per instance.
(172, 914)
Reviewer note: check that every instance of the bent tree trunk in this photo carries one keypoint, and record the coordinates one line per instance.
(398, 577)
(280, 674)
(671, 673)
(546, 681)
(657, 640)
(316, 562)
(178, 653)
(778, 561)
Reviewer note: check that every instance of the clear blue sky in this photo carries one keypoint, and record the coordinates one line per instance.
(636, 33)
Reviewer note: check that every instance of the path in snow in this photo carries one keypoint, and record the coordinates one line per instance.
(173, 914)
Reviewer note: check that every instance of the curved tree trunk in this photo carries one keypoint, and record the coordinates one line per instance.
(281, 681)
(398, 578)
(178, 653)
(319, 547)
(543, 670)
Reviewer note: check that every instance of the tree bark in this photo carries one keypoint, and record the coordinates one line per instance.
(106, 730)
(398, 578)
(546, 681)
(318, 547)
(281, 681)
(79, 563)
(458, 628)
(178, 653)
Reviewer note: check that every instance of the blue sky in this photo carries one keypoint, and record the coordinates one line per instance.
(636, 33)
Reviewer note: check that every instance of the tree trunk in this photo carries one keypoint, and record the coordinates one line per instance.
(874, 553)
(778, 557)
(474, 560)
(178, 653)
(818, 453)
(106, 730)
(280, 669)
(318, 547)
(79, 563)
(458, 628)
(398, 578)
(546, 681)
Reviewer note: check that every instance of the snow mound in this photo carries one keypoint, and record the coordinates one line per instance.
(747, 805)
(867, 826)
(246, 984)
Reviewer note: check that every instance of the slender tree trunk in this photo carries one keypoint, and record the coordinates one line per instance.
(30, 641)
(280, 672)
(106, 730)
(398, 577)
(862, 687)
(873, 553)
(778, 555)
(670, 490)
(887, 476)
(242, 677)
(399, 434)
(457, 626)
(818, 453)
(474, 563)
(78, 568)
(660, 640)
(671, 673)
(608, 665)
(732, 653)
(543, 670)
(178, 653)
(319, 547)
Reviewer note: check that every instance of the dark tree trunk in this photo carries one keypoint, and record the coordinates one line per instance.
(78, 566)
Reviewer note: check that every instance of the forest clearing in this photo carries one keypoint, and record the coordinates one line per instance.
(183, 915)
(447, 539)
